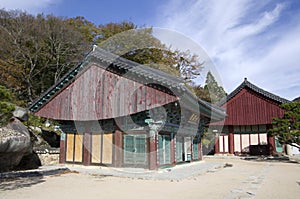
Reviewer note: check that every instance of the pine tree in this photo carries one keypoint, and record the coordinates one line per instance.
(287, 128)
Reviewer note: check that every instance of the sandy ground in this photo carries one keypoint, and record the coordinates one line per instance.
(245, 179)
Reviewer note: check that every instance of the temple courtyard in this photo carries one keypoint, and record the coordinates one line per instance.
(215, 177)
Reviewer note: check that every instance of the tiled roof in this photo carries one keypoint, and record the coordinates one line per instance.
(130, 70)
(256, 89)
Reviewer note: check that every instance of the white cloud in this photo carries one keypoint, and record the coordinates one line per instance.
(31, 6)
(244, 39)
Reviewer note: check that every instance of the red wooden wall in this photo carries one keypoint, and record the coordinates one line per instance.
(99, 94)
(251, 108)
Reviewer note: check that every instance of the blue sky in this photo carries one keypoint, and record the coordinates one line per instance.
(259, 40)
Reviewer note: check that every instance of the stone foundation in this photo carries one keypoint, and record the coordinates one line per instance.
(48, 157)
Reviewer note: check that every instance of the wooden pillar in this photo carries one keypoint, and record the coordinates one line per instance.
(153, 152)
(217, 145)
(191, 151)
(231, 140)
(87, 149)
(271, 142)
(271, 145)
(172, 149)
(62, 149)
(200, 152)
(118, 144)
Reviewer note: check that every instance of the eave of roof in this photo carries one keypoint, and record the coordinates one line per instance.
(256, 89)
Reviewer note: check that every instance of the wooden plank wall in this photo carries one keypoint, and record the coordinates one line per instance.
(250, 108)
(98, 94)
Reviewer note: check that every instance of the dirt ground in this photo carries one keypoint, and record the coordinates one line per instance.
(244, 179)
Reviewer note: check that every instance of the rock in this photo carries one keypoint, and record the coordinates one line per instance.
(29, 161)
(35, 128)
(14, 144)
(20, 113)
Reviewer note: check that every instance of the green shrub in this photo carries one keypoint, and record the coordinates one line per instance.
(6, 108)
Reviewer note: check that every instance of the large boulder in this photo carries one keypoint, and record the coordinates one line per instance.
(14, 144)
(20, 113)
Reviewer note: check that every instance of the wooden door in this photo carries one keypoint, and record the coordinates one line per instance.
(74, 147)
(102, 148)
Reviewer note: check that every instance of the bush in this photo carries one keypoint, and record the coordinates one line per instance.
(6, 108)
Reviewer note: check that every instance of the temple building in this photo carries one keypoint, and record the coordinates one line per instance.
(118, 113)
(250, 111)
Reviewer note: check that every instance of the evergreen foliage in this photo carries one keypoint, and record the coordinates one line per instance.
(287, 128)
(211, 91)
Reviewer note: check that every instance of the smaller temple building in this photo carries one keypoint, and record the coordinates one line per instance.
(250, 111)
(115, 112)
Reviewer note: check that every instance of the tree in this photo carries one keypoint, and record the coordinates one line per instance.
(201, 93)
(211, 91)
(139, 45)
(6, 108)
(40, 48)
(36, 51)
(287, 128)
(89, 30)
(216, 92)
(64, 46)
(296, 99)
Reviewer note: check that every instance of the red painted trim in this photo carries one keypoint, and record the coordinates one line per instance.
(153, 164)
(223, 144)
(173, 160)
(200, 155)
(241, 144)
(217, 144)
(231, 140)
(249, 139)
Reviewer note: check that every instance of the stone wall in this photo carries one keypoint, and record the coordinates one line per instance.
(48, 157)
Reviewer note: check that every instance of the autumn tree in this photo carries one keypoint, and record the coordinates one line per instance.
(287, 128)
(41, 48)
(89, 30)
(36, 51)
(139, 45)
(6, 108)
(64, 46)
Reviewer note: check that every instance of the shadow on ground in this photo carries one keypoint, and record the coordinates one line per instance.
(21, 179)
(282, 159)
(17, 183)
